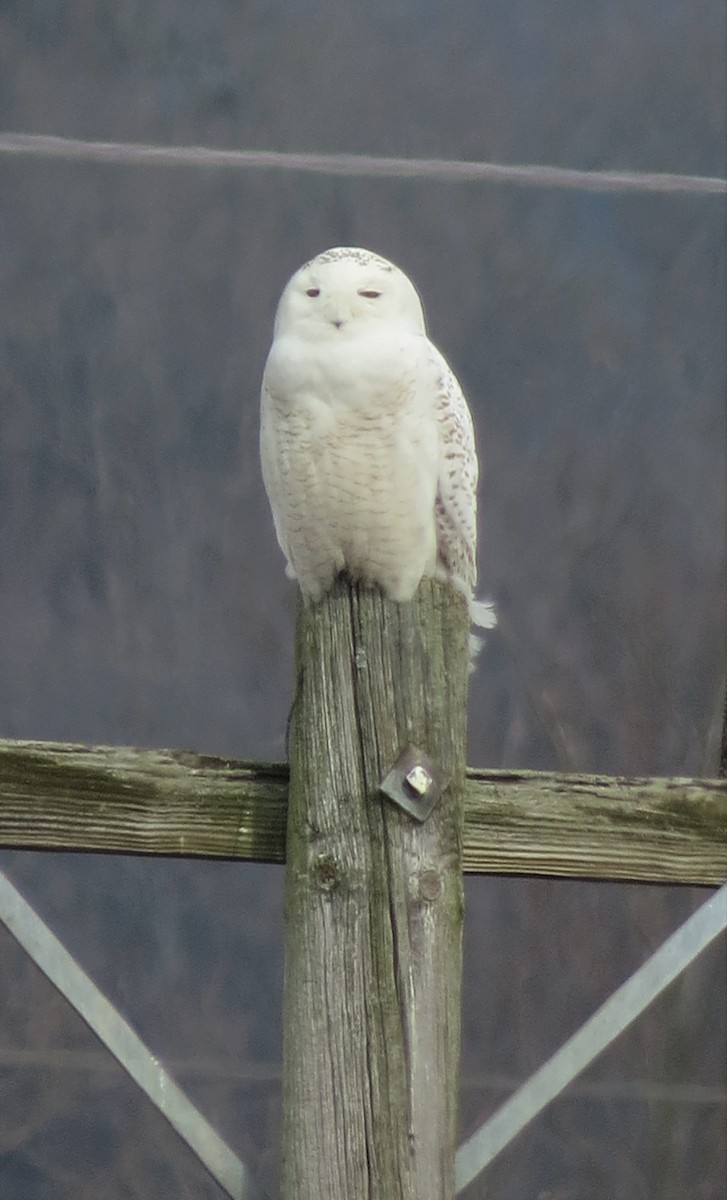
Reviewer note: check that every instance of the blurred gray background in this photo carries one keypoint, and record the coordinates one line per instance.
(142, 595)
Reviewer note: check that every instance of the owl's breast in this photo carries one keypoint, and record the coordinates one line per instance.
(357, 448)
(364, 374)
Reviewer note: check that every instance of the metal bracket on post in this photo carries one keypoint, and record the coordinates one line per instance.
(415, 783)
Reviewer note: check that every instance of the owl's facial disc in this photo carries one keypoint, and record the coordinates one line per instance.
(348, 291)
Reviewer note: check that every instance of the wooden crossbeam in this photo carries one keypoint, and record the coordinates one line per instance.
(58, 796)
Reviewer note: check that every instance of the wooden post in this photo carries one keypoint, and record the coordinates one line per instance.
(723, 752)
(374, 903)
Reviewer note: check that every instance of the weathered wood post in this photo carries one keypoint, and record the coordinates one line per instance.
(374, 900)
(723, 751)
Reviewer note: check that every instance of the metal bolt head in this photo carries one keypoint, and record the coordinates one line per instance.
(415, 783)
(419, 780)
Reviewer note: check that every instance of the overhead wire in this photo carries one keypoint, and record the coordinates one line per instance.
(36, 145)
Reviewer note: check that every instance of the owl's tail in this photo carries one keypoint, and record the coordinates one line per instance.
(482, 616)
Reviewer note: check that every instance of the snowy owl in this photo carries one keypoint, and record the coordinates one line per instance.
(367, 443)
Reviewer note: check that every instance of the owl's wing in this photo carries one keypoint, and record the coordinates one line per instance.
(272, 461)
(456, 504)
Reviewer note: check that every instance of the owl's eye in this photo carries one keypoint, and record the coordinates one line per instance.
(369, 295)
(313, 292)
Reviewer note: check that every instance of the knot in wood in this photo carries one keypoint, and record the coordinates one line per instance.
(326, 873)
(430, 885)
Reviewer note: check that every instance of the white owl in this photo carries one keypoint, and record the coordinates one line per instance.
(367, 444)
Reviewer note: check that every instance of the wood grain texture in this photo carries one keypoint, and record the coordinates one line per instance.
(56, 796)
(59, 796)
(723, 748)
(596, 827)
(371, 1010)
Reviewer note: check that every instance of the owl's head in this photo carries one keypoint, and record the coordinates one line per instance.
(346, 290)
